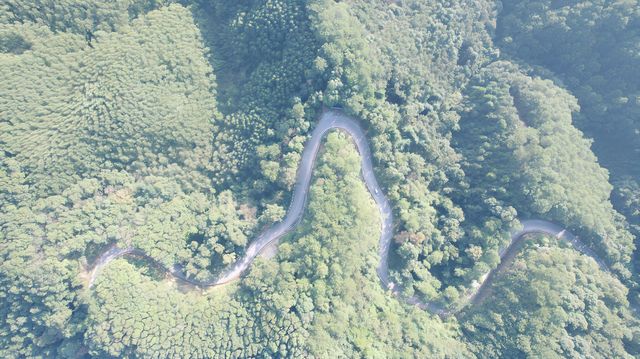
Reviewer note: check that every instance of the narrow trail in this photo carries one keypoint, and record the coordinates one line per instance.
(330, 120)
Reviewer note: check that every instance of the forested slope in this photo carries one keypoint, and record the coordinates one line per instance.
(307, 303)
(177, 127)
(592, 47)
(553, 303)
(68, 95)
(517, 132)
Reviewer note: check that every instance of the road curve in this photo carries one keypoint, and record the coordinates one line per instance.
(332, 119)
(507, 254)
(336, 119)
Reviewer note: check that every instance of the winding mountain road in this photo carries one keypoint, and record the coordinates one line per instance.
(336, 119)
(330, 120)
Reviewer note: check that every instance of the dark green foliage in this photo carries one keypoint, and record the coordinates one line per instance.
(78, 16)
(12, 42)
(520, 149)
(262, 51)
(593, 47)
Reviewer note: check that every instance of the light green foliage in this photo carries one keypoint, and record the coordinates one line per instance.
(399, 68)
(151, 214)
(321, 298)
(519, 148)
(100, 145)
(115, 131)
(39, 307)
(63, 98)
(346, 60)
(626, 198)
(327, 272)
(552, 303)
(427, 49)
(164, 323)
(593, 47)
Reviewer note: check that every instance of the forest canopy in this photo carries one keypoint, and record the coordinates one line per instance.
(177, 128)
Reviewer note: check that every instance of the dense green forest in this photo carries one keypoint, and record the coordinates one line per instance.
(177, 128)
(553, 303)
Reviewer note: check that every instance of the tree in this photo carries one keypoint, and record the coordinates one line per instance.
(552, 302)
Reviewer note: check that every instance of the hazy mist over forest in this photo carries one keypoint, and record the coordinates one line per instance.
(319, 179)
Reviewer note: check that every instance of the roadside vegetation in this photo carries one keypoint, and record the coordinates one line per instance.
(177, 127)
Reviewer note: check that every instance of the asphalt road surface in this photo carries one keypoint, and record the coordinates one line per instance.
(336, 119)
